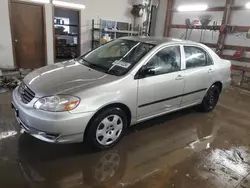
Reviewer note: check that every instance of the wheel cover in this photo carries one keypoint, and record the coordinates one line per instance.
(109, 130)
(107, 167)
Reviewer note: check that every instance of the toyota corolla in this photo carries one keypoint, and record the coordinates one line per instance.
(95, 97)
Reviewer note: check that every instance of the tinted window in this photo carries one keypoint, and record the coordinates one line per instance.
(165, 61)
(196, 57)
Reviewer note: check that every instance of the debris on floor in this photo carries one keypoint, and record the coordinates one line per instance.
(11, 79)
(24, 72)
(3, 90)
(227, 165)
(8, 83)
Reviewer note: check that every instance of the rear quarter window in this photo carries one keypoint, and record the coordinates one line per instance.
(196, 57)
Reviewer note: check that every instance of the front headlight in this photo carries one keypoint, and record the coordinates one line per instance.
(57, 103)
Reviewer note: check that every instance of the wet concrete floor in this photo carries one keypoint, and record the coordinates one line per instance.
(186, 149)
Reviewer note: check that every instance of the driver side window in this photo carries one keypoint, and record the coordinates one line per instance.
(165, 61)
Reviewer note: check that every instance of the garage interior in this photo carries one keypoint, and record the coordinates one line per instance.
(184, 149)
(66, 23)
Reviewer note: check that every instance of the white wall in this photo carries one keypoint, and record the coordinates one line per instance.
(49, 33)
(118, 10)
(6, 57)
(160, 18)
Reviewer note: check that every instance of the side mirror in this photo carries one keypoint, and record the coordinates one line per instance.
(146, 71)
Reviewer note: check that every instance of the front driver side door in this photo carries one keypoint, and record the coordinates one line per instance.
(161, 87)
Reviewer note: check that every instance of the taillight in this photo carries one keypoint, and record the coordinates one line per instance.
(231, 67)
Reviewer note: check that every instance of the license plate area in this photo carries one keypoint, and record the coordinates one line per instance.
(21, 128)
(15, 109)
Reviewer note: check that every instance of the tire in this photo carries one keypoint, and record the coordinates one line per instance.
(211, 99)
(107, 128)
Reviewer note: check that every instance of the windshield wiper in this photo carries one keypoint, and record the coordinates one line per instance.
(84, 61)
(95, 66)
(99, 68)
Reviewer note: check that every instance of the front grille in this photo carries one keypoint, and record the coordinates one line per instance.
(26, 93)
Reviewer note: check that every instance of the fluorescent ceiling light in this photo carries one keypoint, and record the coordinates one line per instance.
(66, 4)
(192, 7)
(248, 5)
(41, 1)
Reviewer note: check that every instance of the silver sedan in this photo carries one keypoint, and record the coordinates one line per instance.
(95, 97)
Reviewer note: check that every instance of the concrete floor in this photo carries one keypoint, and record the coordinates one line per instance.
(186, 149)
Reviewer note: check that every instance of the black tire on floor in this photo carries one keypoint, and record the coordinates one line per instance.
(211, 98)
(91, 139)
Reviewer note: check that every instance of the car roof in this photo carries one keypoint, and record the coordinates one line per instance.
(158, 40)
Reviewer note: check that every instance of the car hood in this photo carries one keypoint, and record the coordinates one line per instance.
(61, 78)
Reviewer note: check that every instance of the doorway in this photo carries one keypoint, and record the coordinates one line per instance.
(66, 30)
(28, 34)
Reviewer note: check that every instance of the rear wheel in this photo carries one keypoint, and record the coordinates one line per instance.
(107, 128)
(210, 100)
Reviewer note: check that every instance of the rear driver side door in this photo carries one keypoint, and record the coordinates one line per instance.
(198, 74)
(161, 90)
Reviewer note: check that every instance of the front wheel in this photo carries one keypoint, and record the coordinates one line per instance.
(211, 98)
(107, 128)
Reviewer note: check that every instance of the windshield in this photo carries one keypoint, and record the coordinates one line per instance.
(116, 57)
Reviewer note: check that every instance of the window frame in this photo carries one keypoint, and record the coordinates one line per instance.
(196, 46)
(155, 52)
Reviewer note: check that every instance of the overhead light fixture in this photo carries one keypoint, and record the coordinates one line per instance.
(248, 5)
(41, 1)
(200, 7)
(66, 4)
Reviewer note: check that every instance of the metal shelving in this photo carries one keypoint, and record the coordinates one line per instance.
(70, 25)
(115, 31)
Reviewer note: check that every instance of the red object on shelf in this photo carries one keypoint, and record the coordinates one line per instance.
(238, 53)
(222, 28)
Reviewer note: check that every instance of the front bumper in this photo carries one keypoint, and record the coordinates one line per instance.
(53, 127)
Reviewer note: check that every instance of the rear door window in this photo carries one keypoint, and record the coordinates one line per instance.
(196, 57)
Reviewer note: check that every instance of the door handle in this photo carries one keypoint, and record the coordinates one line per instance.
(210, 70)
(16, 41)
(179, 77)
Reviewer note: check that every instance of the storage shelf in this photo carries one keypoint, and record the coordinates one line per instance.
(67, 35)
(66, 45)
(71, 25)
(117, 31)
(121, 31)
